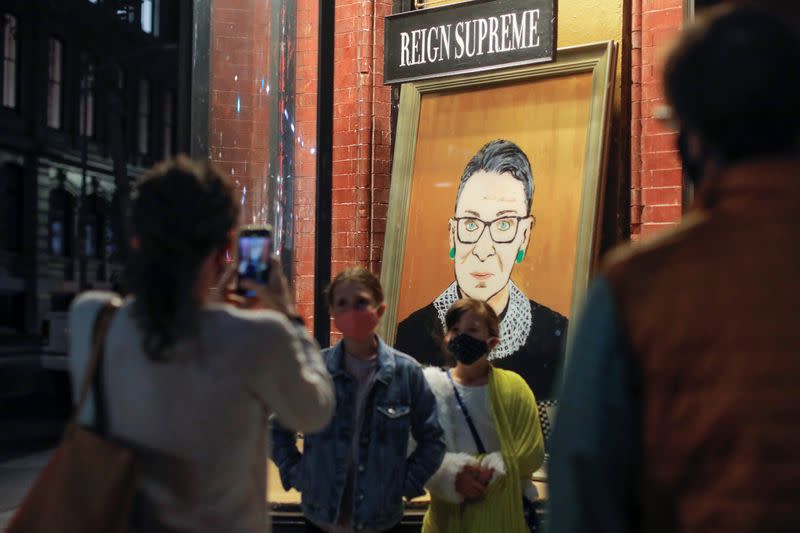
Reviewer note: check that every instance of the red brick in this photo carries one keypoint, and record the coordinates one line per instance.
(666, 142)
(662, 178)
(662, 196)
(661, 213)
(655, 5)
(666, 18)
(660, 161)
(647, 230)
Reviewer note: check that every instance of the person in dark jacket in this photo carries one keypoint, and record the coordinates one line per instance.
(679, 411)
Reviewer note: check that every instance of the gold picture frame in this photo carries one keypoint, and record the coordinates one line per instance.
(597, 60)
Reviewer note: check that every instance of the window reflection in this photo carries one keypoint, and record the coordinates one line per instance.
(10, 66)
(55, 71)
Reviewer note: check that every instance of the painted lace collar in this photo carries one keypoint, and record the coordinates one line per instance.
(515, 326)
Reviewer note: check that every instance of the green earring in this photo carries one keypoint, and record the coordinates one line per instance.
(520, 256)
(453, 252)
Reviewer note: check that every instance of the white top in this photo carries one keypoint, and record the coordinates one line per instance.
(476, 400)
(206, 410)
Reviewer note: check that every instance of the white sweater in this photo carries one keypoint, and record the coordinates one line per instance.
(206, 411)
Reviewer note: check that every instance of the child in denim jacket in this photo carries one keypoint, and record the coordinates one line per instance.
(354, 473)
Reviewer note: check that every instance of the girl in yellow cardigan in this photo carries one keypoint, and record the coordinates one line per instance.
(492, 432)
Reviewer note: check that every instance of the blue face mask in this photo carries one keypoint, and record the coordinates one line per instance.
(467, 349)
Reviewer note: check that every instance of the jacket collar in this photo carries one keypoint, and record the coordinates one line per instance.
(752, 184)
(386, 361)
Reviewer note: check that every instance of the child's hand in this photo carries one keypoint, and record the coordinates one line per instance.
(472, 480)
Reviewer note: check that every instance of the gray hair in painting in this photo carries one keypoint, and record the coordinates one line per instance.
(501, 156)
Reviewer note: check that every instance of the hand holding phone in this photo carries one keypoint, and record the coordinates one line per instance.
(260, 280)
(253, 257)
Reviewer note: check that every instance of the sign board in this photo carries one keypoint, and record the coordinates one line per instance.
(468, 37)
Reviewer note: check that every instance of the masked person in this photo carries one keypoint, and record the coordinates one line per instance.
(492, 431)
(679, 408)
(354, 474)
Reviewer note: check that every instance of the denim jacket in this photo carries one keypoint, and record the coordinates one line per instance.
(400, 404)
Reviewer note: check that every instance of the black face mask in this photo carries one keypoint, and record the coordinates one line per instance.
(693, 167)
(467, 349)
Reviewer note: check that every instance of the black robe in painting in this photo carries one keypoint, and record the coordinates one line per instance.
(537, 361)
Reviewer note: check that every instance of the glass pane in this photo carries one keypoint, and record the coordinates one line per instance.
(10, 62)
(147, 16)
(262, 122)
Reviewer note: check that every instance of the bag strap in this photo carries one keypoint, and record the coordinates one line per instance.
(93, 368)
(470, 423)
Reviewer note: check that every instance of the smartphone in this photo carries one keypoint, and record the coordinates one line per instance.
(253, 255)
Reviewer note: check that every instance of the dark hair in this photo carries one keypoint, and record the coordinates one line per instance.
(732, 79)
(181, 212)
(359, 275)
(501, 156)
(480, 308)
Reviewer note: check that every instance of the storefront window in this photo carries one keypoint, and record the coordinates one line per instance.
(261, 106)
(254, 114)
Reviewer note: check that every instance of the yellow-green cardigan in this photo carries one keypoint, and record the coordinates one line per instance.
(522, 447)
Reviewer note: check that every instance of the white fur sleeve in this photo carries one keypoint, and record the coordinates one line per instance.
(443, 483)
(494, 461)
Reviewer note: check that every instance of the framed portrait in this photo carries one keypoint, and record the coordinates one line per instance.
(496, 195)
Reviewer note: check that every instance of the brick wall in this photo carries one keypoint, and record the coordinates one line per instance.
(656, 179)
(239, 114)
(361, 135)
(240, 143)
(305, 164)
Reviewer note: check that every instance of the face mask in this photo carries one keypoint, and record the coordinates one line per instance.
(357, 324)
(693, 167)
(467, 349)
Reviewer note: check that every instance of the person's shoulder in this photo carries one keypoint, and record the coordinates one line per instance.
(329, 353)
(249, 318)
(403, 360)
(509, 377)
(512, 383)
(655, 252)
(91, 300)
(84, 309)
(244, 326)
(438, 381)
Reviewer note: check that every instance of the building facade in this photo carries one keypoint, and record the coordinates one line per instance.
(90, 100)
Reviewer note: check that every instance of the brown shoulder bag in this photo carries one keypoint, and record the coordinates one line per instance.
(90, 480)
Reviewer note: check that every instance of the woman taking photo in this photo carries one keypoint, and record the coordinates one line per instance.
(492, 433)
(189, 381)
